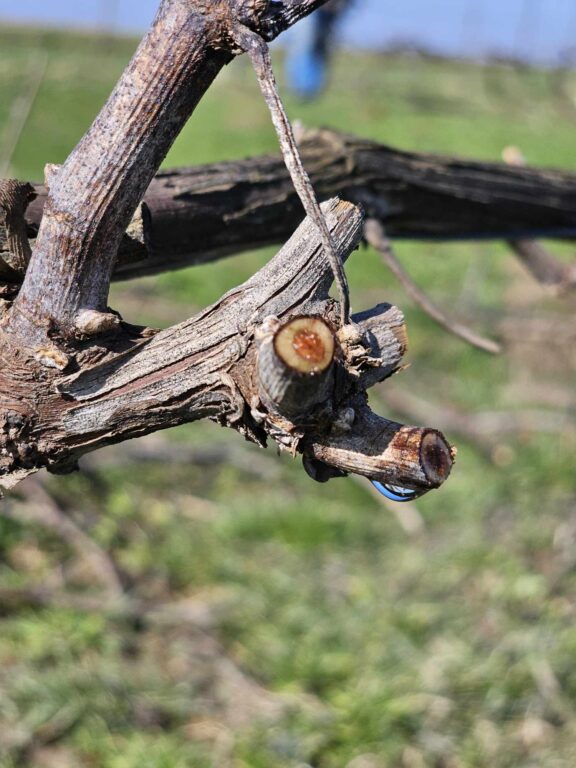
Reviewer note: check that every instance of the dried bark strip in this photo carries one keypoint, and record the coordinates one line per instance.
(15, 197)
(376, 237)
(259, 54)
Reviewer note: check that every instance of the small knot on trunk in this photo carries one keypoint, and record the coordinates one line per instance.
(90, 322)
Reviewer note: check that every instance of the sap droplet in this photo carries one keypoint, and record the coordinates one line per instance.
(395, 492)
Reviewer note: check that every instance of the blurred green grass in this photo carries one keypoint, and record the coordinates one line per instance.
(333, 639)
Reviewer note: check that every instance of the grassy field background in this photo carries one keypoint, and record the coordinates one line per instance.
(267, 622)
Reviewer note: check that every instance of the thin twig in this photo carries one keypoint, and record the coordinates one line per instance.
(41, 508)
(482, 428)
(544, 267)
(376, 236)
(259, 54)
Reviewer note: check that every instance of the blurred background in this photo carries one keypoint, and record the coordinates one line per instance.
(187, 600)
(534, 30)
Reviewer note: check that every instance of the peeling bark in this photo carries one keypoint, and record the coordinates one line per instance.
(206, 368)
(74, 377)
(195, 215)
(15, 257)
(94, 195)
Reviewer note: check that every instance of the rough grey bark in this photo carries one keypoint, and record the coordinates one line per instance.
(415, 197)
(205, 368)
(96, 192)
(74, 377)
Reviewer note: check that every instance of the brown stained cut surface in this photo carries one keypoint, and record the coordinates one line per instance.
(437, 457)
(309, 346)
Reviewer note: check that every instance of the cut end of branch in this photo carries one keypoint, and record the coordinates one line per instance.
(295, 367)
(306, 345)
(436, 458)
(414, 458)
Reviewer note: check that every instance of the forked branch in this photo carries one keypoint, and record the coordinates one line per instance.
(96, 192)
(75, 378)
(208, 367)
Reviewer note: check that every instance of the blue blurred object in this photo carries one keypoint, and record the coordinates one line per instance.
(394, 492)
(308, 55)
(306, 67)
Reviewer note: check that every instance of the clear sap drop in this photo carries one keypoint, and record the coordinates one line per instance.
(395, 492)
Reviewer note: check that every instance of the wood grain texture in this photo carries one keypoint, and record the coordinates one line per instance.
(74, 378)
(206, 368)
(195, 215)
(95, 194)
(410, 457)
